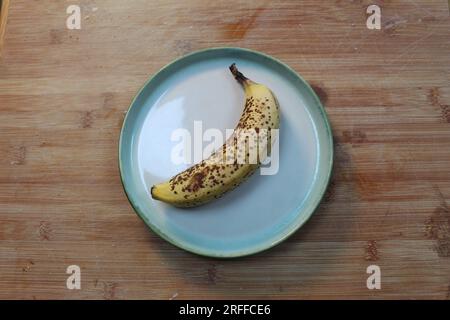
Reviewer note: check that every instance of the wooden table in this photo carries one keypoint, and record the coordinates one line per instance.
(63, 95)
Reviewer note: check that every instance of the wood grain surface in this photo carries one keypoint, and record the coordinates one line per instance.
(63, 95)
(4, 6)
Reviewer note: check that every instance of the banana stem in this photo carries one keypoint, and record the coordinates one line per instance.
(243, 80)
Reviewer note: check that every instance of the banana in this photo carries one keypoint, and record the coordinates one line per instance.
(235, 160)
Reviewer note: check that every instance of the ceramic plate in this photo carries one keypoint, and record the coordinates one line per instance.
(264, 210)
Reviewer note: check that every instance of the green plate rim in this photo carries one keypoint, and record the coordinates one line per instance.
(240, 253)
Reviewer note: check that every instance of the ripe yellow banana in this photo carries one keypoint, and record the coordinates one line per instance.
(231, 164)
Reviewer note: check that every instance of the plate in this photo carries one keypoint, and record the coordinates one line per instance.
(264, 210)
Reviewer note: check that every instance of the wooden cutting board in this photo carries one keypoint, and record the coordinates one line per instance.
(4, 6)
(63, 95)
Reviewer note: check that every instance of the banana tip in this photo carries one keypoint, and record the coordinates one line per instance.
(237, 74)
(152, 193)
(233, 68)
